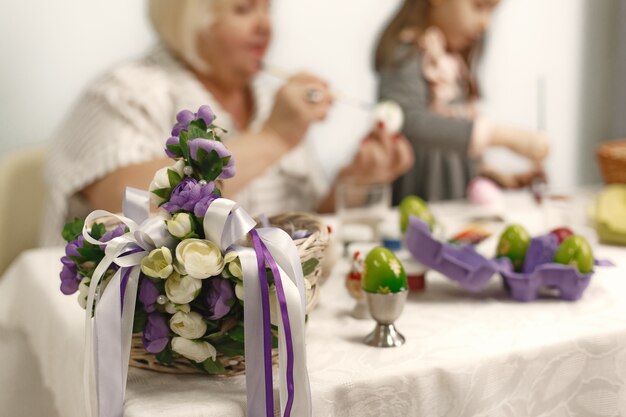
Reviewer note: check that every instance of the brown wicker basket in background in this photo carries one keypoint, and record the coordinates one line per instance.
(612, 159)
(311, 251)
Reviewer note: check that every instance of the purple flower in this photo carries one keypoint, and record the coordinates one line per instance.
(205, 113)
(156, 333)
(71, 249)
(148, 294)
(209, 145)
(203, 205)
(70, 278)
(112, 234)
(174, 140)
(219, 295)
(183, 117)
(186, 195)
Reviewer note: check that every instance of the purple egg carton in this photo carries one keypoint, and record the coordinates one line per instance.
(472, 270)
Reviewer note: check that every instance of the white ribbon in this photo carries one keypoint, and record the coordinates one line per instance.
(226, 221)
(108, 335)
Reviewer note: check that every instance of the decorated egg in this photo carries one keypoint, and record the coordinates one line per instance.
(484, 192)
(575, 251)
(391, 114)
(562, 233)
(414, 205)
(383, 272)
(513, 244)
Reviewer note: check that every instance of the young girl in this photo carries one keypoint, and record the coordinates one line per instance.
(424, 59)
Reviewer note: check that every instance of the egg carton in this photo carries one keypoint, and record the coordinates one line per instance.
(473, 271)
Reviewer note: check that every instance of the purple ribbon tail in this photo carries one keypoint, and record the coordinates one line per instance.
(282, 301)
(267, 334)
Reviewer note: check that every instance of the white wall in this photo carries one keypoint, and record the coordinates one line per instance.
(570, 45)
(50, 50)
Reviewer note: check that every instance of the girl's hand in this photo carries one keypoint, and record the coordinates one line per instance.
(381, 158)
(303, 99)
(513, 181)
(533, 145)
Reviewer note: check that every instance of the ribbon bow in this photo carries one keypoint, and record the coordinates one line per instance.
(108, 334)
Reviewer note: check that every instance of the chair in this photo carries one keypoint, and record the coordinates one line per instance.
(22, 194)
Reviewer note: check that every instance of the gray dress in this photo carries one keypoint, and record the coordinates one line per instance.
(442, 167)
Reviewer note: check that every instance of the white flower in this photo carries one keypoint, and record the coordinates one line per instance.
(188, 325)
(239, 290)
(161, 180)
(199, 258)
(180, 225)
(158, 264)
(83, 292)
(196, 351)
(182, 289)
(233, 264)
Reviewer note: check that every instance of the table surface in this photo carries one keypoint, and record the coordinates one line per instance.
(466, 354)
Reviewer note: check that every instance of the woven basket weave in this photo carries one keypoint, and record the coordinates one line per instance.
(311, 247)
(612, 160)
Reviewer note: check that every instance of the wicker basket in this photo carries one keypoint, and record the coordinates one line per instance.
(311, 250)
(612, 160)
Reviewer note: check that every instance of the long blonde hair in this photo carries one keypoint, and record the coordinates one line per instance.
(178, 22)
(413, 15)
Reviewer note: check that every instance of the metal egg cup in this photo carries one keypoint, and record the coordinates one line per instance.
(385, 309)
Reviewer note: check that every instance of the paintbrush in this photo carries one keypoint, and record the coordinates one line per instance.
(282, 74)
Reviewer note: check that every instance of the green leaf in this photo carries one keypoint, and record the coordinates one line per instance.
(213, 367)
(97, 231)
(173, 178)
(164, 193)
(73, 229)
(225, 160)
(309, 266)
(175, 149)
(199, 123)
(211, 167)
(237, 333)
(165, 356)
(184, 146)
(231, 347)
(197, 130)
(91, 253)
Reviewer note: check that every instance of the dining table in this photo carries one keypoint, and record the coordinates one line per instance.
(466, 353)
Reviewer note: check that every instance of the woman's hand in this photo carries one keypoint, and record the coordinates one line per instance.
(381, 158)
(303, 99)
(533, 145)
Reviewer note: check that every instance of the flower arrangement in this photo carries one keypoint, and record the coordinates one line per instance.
(190, 297)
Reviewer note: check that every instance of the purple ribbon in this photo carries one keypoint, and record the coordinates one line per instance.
(259, 246)
(267, 334)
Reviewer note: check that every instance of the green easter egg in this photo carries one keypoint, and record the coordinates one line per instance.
(383, 272)
(413, 205)
(575, 251)
(513, 244)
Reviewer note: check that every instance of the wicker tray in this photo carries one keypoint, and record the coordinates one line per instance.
(612, 160)
(311, 250)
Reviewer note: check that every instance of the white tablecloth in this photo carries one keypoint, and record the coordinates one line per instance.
(466, 355)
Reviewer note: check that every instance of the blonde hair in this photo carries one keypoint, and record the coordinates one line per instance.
(178, 23)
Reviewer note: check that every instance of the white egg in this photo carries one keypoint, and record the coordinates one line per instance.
(391, 114)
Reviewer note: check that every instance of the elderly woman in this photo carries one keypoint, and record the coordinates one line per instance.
(210, 53)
